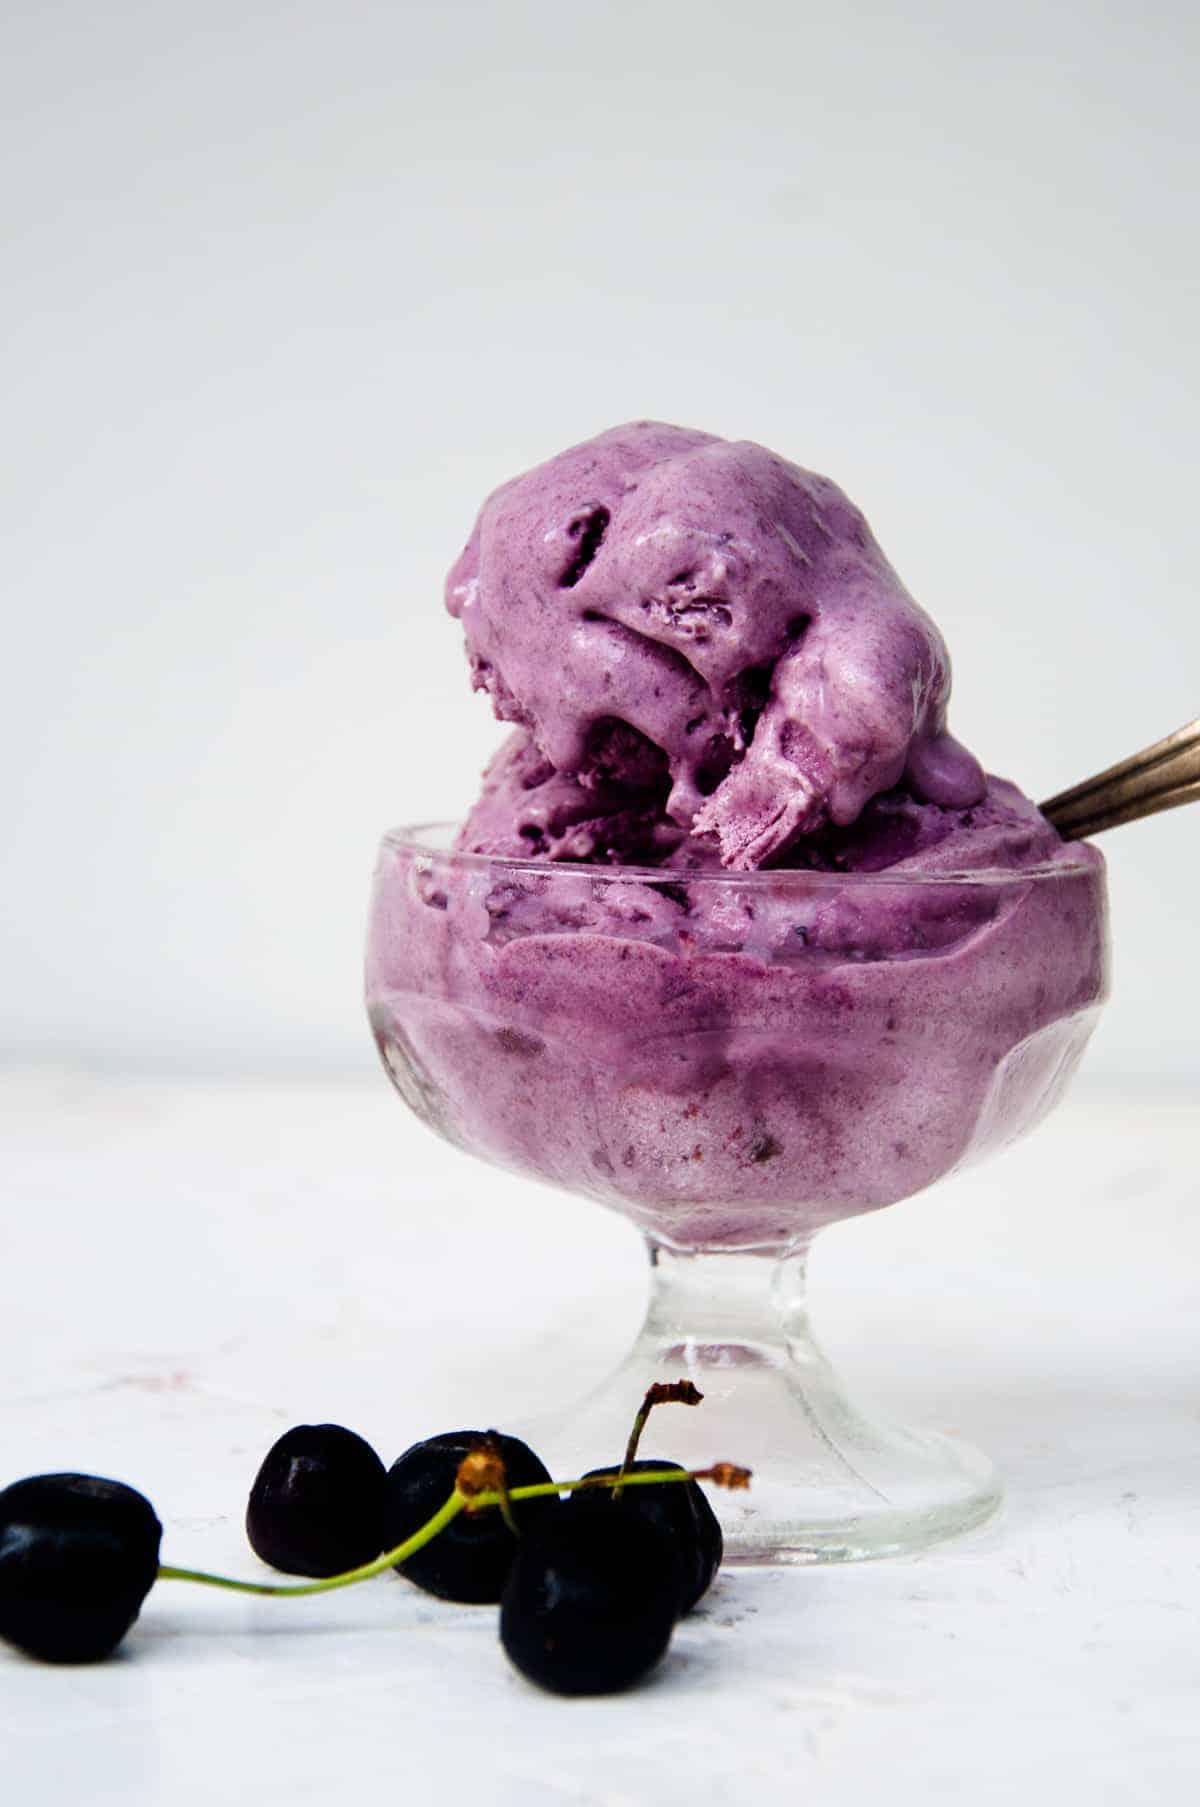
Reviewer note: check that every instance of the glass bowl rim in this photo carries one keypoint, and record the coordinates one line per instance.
(408, 839)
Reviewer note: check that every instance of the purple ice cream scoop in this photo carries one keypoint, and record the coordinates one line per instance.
(736, 938)
(665, 610)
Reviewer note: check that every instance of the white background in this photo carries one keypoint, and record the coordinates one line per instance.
(287, 288)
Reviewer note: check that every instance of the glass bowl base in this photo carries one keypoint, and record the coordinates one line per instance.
(831, 1482)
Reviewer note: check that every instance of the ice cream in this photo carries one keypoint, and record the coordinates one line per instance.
(723, 615)
(736, 938)
(527, 810)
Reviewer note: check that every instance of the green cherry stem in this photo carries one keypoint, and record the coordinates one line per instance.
(429, 1530)
(724, 1474)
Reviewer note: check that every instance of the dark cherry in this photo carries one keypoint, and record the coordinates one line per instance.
(678, 1509)
(78, 1555)
(468, 1561)
(316, 1506)
(590, 1603)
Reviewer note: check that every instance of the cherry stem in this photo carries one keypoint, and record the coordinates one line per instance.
(502, 1487)
(661, 1392)
(441, 1518)
(723, 1473)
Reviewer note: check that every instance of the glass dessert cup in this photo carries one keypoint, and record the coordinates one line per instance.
(734, 1061)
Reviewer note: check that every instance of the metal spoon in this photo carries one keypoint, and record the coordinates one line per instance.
(1159, 777)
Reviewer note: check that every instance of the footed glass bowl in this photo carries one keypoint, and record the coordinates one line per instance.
(733, 1061)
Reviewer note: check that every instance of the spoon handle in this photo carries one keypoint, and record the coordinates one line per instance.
(1162, 776)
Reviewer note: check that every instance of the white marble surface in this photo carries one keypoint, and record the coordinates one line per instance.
(190, 1267)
